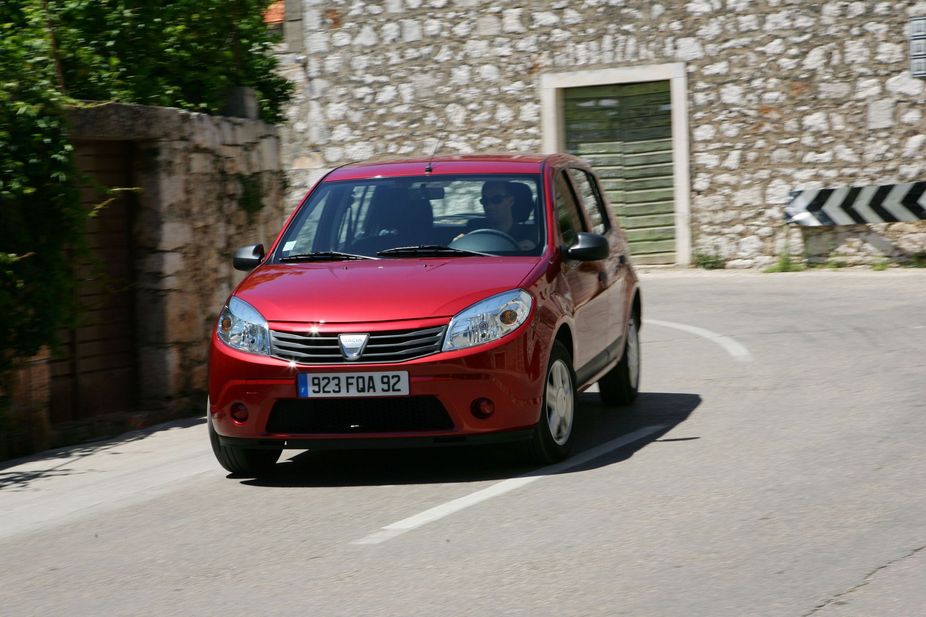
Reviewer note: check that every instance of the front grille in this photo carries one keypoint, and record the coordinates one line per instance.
(359, 415)
(323, 348)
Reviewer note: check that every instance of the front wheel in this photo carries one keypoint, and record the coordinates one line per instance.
(620, 385)
(552, 438)
(242, 461)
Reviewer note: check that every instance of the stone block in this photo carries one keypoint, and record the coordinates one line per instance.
(868, 88)
(367, 37)
(160, 375)
(199, 376)
(269, 154)
(248, 132)
(411, 30)
(183, 319)
(512, 20)
(233, 165)
(175, 235)
(731, 94)
(905, 84)
(204, 132)
(202, 163)
(889, 53)
(912, 116)
(881, 114)
(544, 19)
(856, 53)
(914, 146)
(170, 191)
(488, 25)
(818, 121)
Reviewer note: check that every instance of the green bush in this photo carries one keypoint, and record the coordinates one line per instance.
(786, 264)
(174, 53)
(40, 212)
(710, 261)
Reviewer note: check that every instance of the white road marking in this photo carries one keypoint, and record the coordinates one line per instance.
(505, 486)
(730, 345)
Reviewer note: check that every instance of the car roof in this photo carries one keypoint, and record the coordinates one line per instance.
(448, 165)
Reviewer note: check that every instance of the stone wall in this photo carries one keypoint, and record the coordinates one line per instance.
(196, 176)
(192, 170)
(782, 95)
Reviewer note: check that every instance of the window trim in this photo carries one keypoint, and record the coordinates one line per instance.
(577, 207)
(600, 206)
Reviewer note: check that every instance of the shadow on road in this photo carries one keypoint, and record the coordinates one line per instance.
(595, 425)
(59, 462)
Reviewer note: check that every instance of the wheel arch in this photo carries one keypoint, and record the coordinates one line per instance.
(564, 336)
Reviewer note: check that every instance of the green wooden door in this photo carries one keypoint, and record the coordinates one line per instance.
(625, 132)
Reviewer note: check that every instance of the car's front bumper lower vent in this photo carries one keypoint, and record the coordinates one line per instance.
(359, 415)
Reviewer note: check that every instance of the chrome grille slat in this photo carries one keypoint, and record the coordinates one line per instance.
(305, 335)
(388, 346)
(310, 358)
(395, 353)
(417, 341)
(427, 331)
(332, 348)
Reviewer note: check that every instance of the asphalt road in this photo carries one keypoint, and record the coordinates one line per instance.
(775, 464)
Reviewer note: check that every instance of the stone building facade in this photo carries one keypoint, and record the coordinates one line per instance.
(767, 97)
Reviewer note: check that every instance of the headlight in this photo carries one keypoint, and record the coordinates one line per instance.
(243, 328)
(488, 320)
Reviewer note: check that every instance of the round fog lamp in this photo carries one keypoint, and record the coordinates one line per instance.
(482, 408)
(239, 412)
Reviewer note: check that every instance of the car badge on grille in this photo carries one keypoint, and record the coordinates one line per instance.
(352, 345)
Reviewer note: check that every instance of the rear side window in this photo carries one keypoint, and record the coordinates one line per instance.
(567, 215)
(591, 200)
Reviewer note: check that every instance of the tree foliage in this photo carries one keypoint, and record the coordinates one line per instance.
(175, 53)
(53, 53)
(40, 214)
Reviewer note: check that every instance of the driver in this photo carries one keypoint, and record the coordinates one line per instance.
(498, 201)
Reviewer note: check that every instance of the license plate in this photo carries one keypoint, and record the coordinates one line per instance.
(339, 385)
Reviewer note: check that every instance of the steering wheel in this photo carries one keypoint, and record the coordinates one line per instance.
(495, 233)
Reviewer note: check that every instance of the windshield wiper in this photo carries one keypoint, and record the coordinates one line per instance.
(428, 249)
(323, 256)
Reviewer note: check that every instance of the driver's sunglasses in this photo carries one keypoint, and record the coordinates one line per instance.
(496, 199)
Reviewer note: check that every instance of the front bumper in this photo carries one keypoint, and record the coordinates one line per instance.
(509, 371)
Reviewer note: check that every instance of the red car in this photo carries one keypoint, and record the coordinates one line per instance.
(421, 302)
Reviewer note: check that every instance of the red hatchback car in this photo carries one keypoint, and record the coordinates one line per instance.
(421, 302)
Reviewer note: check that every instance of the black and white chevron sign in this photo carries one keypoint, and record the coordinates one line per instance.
(853, 205)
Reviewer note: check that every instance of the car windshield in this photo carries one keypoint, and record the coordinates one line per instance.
(442, 216)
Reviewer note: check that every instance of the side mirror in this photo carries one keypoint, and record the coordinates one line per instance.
(248, 257)
(588, 247)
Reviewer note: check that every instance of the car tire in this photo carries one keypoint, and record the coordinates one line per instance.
(552, 438)
(242, 461)
(620, 385)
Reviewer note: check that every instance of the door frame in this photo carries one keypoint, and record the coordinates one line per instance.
(553, 127)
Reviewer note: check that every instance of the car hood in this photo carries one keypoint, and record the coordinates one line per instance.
(379, 290)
